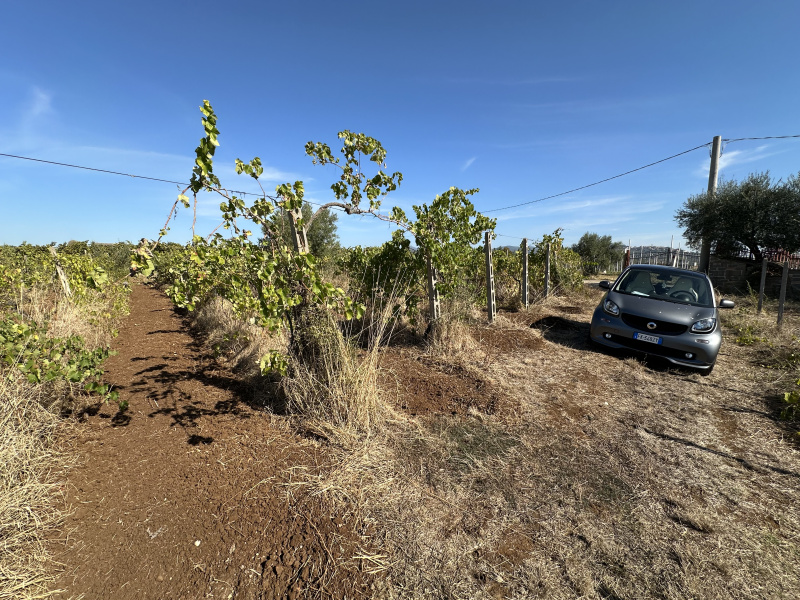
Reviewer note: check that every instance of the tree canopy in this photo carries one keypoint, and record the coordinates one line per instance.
(755, 214)
(598, 252)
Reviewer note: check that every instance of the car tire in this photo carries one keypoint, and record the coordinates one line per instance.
(707, 372)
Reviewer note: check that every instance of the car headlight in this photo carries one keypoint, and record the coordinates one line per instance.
(610, 307)
(704, 326)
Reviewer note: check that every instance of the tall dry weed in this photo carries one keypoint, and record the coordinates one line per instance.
(333, 388)
(336, 390)
(450, 336)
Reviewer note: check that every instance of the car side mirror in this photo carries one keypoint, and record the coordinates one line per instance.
(726, 304)
(605, 284)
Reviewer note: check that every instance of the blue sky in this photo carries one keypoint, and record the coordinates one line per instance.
(520, 99)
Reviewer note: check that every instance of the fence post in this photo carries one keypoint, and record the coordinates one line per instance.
(60, 271)
(627, 261)
(762, 285)
(490, 308)
(784, 281)
(524, 283)
(547, 271)
(433, 292)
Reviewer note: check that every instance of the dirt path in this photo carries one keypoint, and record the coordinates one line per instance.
(183, 495)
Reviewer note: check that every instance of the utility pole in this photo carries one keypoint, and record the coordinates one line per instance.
(713, 175)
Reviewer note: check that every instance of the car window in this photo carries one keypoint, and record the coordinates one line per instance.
(672, 286)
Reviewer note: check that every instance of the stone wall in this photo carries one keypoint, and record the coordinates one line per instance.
(732, 275)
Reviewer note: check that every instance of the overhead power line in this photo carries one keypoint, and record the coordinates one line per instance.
(60, 164)
(768, 137)
(515, 237)
(180, 183)
(583, 187)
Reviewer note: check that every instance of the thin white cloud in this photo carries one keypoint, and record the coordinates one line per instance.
(468, 164)
(732, 158)
(560, 205)
(30, 126)
(208, 206)
(271, 175)
(641, 104)
(41, 104)
(511, 82)
(625, 216)
(126, 153)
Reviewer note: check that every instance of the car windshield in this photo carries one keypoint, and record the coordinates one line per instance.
(666, 284)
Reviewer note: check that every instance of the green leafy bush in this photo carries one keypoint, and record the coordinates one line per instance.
(391, 272)
(40, 358)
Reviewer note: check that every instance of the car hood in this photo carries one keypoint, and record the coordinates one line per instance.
(661, 310)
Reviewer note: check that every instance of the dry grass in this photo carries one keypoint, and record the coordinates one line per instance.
(450, 337)
(95, 316)
(608, 477)
(236, 341)
(30, 504)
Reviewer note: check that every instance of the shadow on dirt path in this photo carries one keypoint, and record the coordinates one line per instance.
(184, 495)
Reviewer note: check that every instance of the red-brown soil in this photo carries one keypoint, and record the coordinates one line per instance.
(420, 386)
(188, 493)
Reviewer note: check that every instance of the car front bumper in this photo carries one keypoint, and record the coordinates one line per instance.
(612, 332)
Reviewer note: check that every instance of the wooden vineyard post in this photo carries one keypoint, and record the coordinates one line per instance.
(61, 275)
(490, 308)
(524, 282)
(433, 292)
(547, 271)
(762, 285)
(784, 282)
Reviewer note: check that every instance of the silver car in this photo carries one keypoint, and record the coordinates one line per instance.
(667, 312)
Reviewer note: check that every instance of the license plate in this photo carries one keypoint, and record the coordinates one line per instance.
(653, 339)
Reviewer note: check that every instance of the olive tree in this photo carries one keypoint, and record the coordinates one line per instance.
(754, 214)
(598, 252)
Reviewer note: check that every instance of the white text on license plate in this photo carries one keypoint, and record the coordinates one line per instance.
(653, 339)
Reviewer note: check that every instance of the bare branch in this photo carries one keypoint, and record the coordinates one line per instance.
(352, 210)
